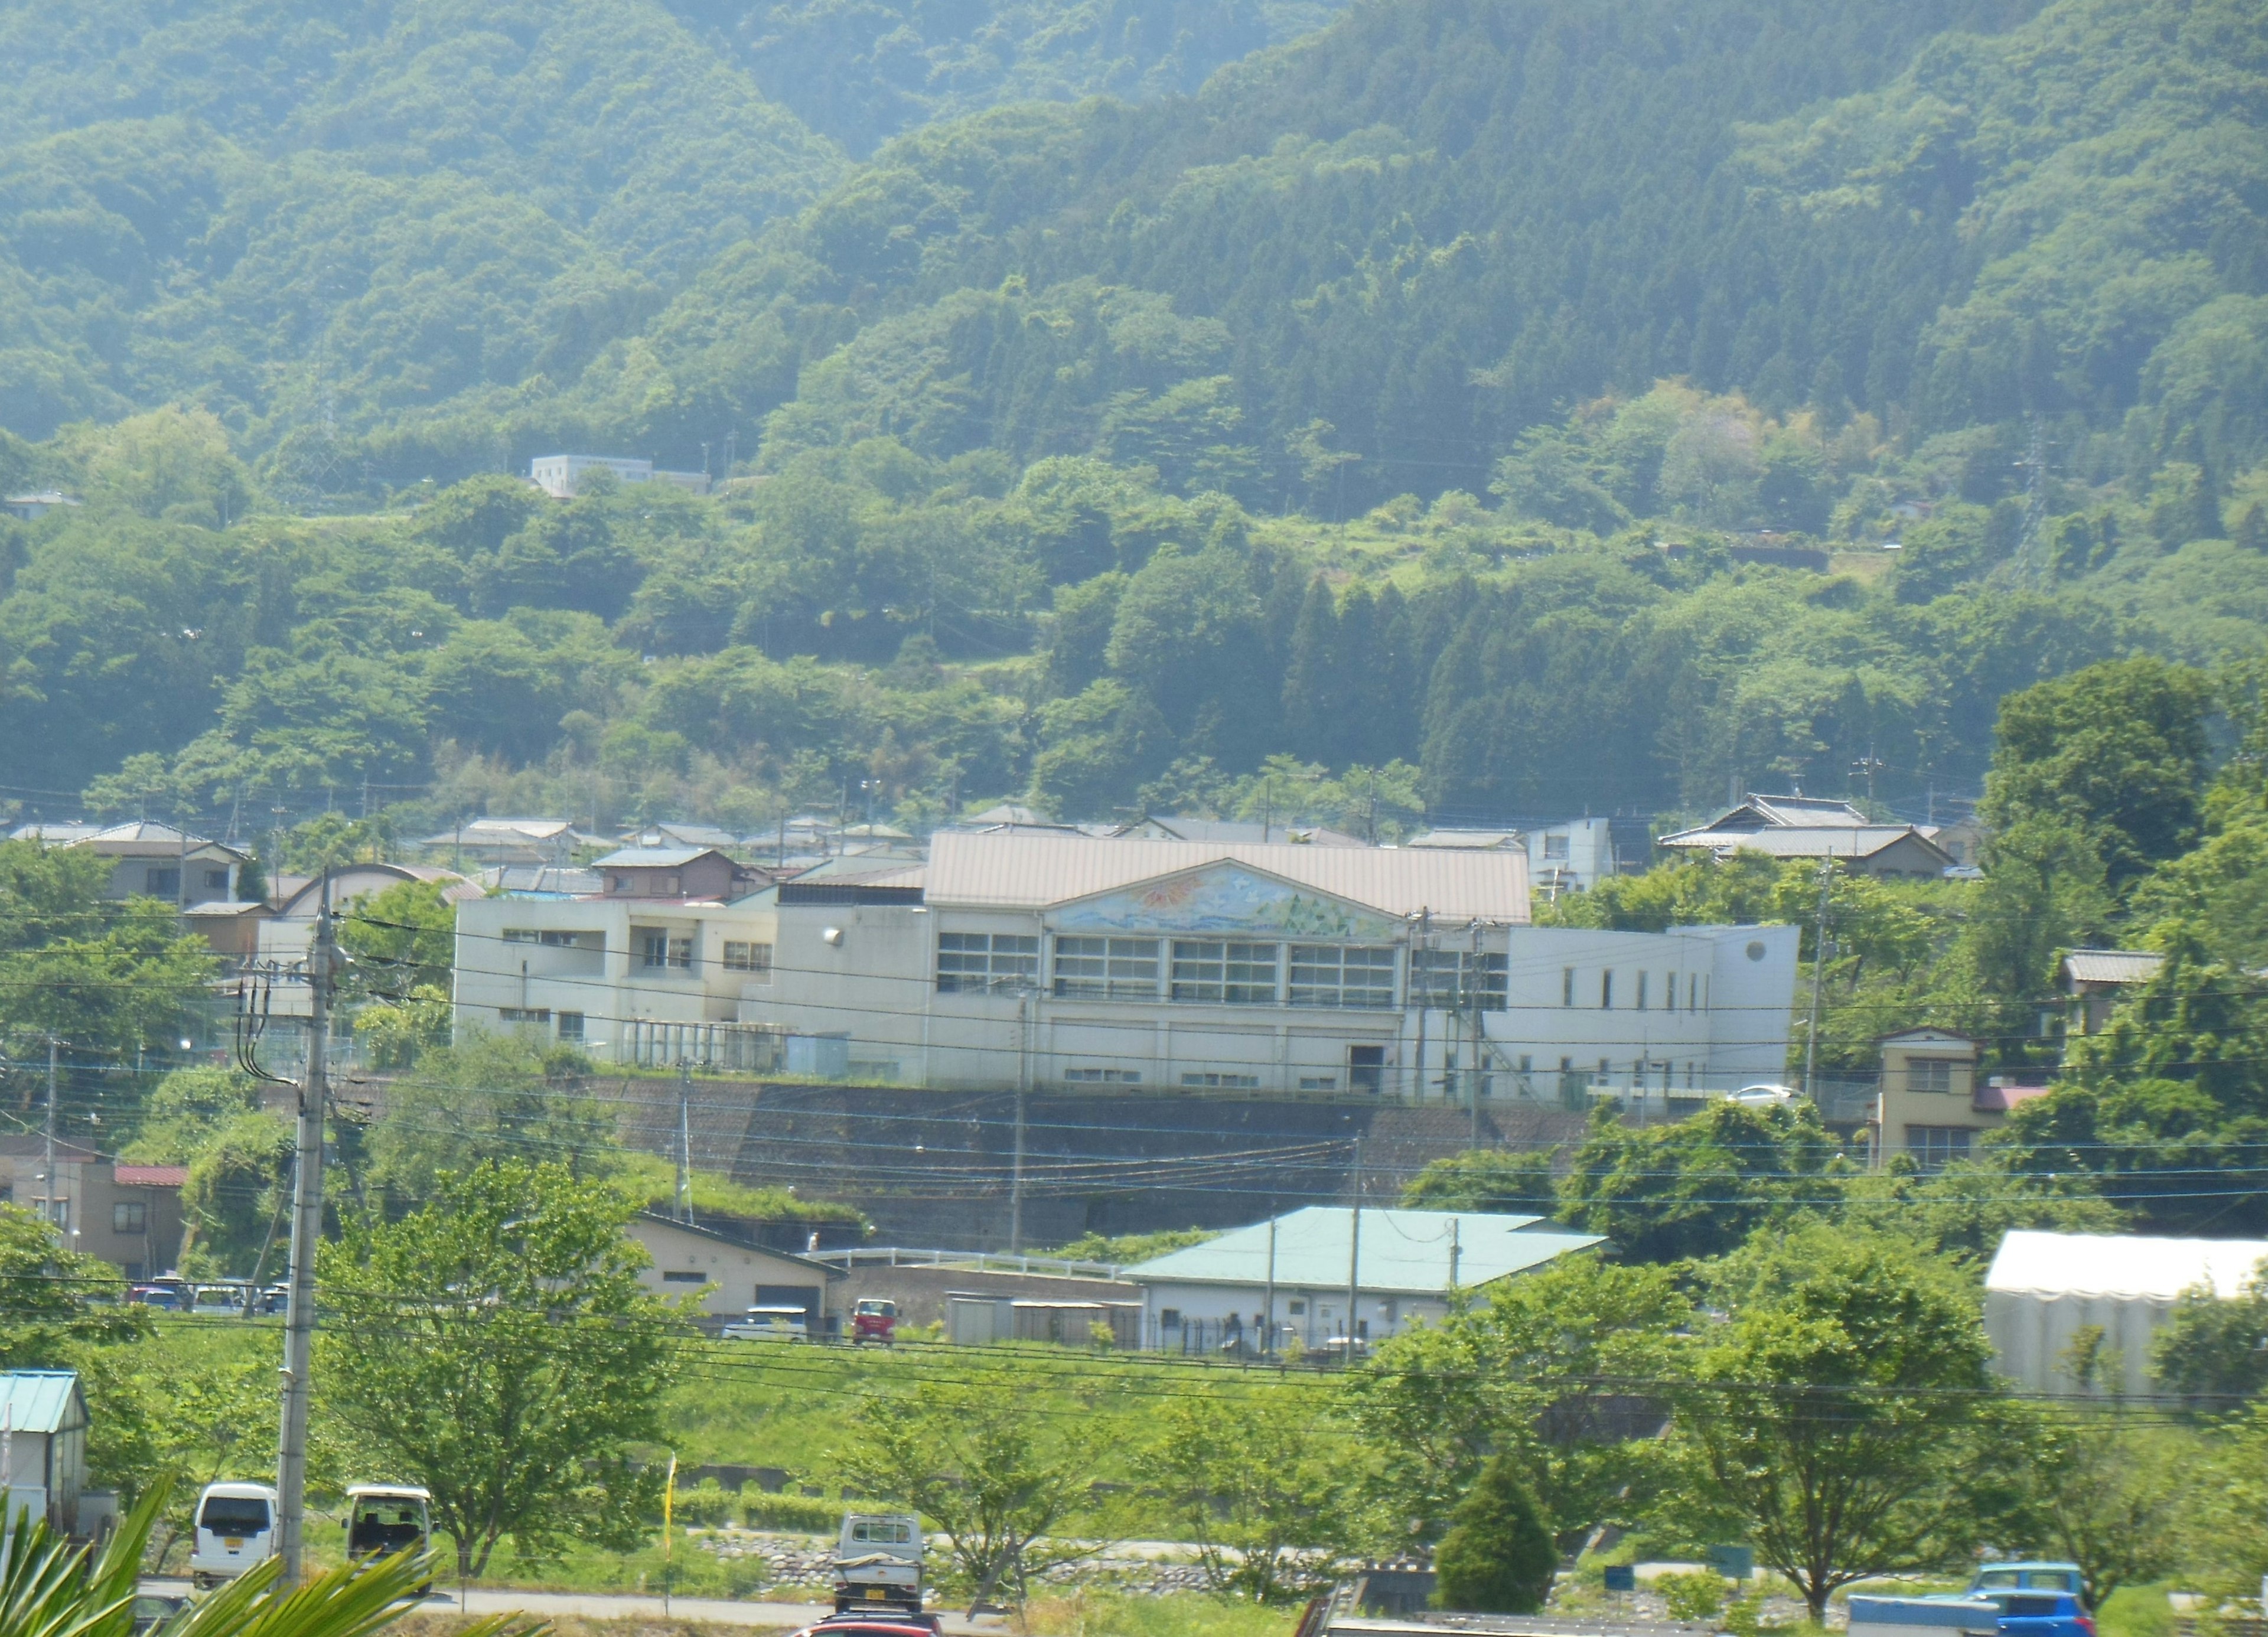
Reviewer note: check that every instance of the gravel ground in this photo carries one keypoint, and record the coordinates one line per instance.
(799, 1562)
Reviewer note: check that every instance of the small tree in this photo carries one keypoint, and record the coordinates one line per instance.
(498, 1347)
(1499, 1557)
(1830, 1417)
(1533, 1369)
(973, 1456)
(1262, 1485)
(2213, 1348)
(2097, 1488)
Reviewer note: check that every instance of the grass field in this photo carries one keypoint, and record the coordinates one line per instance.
(777, 1404)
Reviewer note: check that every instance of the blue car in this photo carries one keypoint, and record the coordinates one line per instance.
(2027, 1577)
(2041, 1613)
(2006, 1599)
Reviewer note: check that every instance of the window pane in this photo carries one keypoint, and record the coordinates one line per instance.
(1117, 968)
(1369, 979)
(981, 960)
(1250, 978)
(1315, 974)
(1198, 970)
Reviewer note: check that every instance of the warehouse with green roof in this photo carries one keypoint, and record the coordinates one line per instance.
(1259, 1290)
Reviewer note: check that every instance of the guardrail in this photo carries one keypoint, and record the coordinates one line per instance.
(982, 1261)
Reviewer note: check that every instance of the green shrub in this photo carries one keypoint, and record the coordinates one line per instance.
(1697, 1595)
(806, 1515)
(706, 1506)
(1498, 1557)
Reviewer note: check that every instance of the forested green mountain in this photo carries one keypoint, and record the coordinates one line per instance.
(302, 217)
(1407, 402)
(863, 71)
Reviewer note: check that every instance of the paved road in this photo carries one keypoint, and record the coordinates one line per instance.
(606, 1606)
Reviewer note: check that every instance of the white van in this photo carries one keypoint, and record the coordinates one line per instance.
(236, 1531)
(386, 1518)
(878, 1559)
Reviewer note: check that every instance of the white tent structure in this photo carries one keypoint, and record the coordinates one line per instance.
(2044, 1288)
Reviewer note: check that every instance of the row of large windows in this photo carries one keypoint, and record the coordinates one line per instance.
(1639, 995)
(1219, 970)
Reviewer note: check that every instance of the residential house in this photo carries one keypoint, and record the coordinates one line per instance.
(283, 936)
(510, 841)
(677, 872)
(1564, 854)
(1788, 812)
(1962, 840)
(129, 1215)
(729, 1275)
(1253, 1289)
(151, 860)
(32, 507)
(562, 476)
(1173, 827)
(2044, 1288)
(1932, 1103)
(674, 833)
(2096, 980)
(1888, 852)
(539, 881)
(1816, 827)
(1024, 959)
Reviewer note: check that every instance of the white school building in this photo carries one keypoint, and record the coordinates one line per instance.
(1052, 960)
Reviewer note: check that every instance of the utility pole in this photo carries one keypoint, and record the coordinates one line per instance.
(1016, 1184)
(1867, 766)
(1473, 1007)
(48, 1152)
(1354, 1252)
(1268, 1317)
(685, 1141)
(1016, 1170)
(1818, 976)
(306, 1233)
(1456, 1251)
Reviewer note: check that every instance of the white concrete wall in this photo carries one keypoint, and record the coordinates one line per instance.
(874, 981)
(1588, 856)
(734, 1272)
(608, 985)
(1320, 1316)
(1728, 1024)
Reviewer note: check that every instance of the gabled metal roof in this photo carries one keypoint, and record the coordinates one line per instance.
(1807, 842)
(2112, 965)
(1405, 1252)
(653, 857)
(977, 871)
(2123, 1264)
(41, 1400)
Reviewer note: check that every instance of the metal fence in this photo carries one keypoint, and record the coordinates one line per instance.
(748, 1048)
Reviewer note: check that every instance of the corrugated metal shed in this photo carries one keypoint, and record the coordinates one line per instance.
(2044, 1288)
(2112, 965)
(2123, 1264)
(1402, 1252)
(1035, 871)
(41, 1400)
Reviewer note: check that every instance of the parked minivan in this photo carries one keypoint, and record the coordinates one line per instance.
(236, 1531)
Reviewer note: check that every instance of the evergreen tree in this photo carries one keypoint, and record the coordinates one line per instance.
(1315, 710)
(1498, 1557)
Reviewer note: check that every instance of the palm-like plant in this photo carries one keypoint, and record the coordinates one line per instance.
(49, 1588)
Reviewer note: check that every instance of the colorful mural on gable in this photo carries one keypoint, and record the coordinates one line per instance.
(1226, 898)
